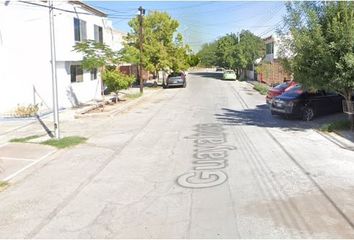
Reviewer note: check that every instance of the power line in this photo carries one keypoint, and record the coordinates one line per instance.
(223, 9)
(239, 20)
(56, 8)
(269, 16)
(184, 7)
(272, 29)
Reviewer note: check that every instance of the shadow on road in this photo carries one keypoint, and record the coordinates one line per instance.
(261, 117)
(208, 74)
(214, 75)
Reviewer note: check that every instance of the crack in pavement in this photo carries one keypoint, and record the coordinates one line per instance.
(88, 180)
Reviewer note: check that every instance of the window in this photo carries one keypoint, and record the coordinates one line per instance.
(98, 34)
(270, 48)
(94, 74)
(76, 73)
(79, 30)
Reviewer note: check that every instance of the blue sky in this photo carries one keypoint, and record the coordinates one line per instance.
(202, 22)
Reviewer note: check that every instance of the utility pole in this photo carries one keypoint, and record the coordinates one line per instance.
(54, 71)
(141, 39)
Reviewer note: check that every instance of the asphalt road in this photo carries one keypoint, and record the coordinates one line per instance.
(206, 161)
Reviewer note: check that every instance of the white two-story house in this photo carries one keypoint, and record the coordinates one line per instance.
(25, 53)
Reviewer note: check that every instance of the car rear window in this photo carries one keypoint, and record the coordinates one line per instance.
(294, 92)
(229, 72)
(175, 74)
(281, 86)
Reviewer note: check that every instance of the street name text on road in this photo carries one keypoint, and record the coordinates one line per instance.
(211, 156)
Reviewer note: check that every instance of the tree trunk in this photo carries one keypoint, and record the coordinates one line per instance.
(350, 107)
(102, 69)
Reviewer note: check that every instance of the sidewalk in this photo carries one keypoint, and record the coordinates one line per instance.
(23, 127)
(17, 157)
(342, 138)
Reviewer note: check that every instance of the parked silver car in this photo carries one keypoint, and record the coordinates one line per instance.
(176, 79)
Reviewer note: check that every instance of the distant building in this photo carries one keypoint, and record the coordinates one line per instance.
(115, 38)
(273, 72)
(25, 53)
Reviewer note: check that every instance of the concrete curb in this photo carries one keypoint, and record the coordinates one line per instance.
(86, 109)
(118, 109)
(336, 138)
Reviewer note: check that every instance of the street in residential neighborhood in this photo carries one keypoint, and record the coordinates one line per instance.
(207, 161)
(176, 120)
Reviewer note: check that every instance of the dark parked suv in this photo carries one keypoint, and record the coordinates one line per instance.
(306, 105)
(176, 79)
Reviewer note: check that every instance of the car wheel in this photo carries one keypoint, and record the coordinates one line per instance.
(308, 114)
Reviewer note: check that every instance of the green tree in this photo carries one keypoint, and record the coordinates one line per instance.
(232, 51)
(180, 55)
(116, 81)
(161, 51)
(323, 45)
(252, 47)
(226, 51)
(96, 56)
(207, 54)
(193, 60)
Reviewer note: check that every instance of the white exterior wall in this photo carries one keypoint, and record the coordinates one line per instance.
(271, 57)
(278, 43)
(114, 38)
(25, 55)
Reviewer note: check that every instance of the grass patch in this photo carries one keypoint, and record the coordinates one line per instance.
(337, 125)
(261, 88)
(24, 139)
(3, 185)
(65, 142)
(134, 95)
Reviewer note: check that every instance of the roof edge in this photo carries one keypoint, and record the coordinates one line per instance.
(89, 8)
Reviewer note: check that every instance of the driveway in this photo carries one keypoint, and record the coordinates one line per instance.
(206, 161)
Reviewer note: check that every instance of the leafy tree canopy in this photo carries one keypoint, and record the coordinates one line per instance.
(96, 55)
(232, 51)
(323, 44)
(162, 47)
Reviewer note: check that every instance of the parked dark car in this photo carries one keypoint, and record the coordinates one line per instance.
(278, 90)
(304, 104)
(176, 79)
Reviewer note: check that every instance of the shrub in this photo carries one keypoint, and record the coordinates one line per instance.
(116, 81)
(26, 111)
(337, 125)
(261, 88)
